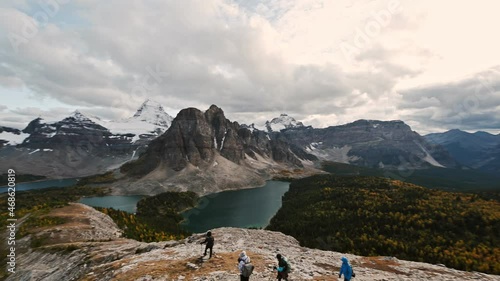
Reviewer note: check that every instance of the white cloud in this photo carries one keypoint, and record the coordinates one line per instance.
(255, 59)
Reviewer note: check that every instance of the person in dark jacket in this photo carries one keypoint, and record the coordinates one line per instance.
(209, 240)
(345, 269)
(282, 268)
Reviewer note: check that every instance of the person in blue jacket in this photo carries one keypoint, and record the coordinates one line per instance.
(345, 269)
(283, 268)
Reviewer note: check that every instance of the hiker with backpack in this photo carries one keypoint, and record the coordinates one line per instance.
(346, 269)
(283, 267)
(209, 240)
(245, 266)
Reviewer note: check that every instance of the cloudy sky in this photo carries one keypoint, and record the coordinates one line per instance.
(432, 64)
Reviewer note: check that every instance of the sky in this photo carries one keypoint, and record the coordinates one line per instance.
(432, 64)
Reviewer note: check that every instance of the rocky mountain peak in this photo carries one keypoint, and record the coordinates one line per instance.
(218, 149)
(284, 121)
(35, 123)
(77, 116)
(152, 112)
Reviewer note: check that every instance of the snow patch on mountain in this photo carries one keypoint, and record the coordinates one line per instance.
(282, 122)
(13, 139)
(428, 158)
(150, 119)
(153, 112)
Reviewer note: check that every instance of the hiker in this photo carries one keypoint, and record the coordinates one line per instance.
(346, 269)
(245, 267)
(283, 267)
(209, 240)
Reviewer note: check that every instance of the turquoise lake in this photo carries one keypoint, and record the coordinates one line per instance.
(41, 184)
(252, 207)
(125, 203)
(238, 208)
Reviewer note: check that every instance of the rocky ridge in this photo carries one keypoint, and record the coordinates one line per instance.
(371, 143)
(100, 254)
(81, 145)
(205, 152)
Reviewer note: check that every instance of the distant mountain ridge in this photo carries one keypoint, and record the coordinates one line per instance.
(203, 150)
(80, 145)
(371, 143)
(153, 112)
(479, 150)
(282, 122)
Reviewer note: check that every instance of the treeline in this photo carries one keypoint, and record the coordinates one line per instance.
(107, 177)
(4, 178)
(157, 219)
(376, 216)
(46, 199)
(473, 181)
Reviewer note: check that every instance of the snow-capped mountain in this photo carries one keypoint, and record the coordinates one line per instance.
(153, 112)
(282, 122)
(149, 121)
(79, 144)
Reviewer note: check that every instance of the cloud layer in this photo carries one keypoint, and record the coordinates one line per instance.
(325, 63)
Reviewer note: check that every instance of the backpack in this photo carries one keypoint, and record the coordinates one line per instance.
(288, 266)
(210, 241)
(352, 271)
(247, 270)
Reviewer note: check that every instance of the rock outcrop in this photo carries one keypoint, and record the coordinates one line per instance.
(88, 248)
(205, 152)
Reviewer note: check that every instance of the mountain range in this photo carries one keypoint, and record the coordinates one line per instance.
(205, 152)
(80, 145)
(479, 150)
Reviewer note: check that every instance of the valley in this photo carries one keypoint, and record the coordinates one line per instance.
(353, 190)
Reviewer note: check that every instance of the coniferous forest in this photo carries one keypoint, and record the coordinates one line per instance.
(157, 219)
(378, 216)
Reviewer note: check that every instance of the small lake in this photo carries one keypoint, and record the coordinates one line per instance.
(252, 207)
(41, 184)
(124, 203)
(238, 208)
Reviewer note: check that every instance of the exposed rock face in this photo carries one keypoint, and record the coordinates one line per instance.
(75, 146)
(388, 144)
(282, 122)
(114, 258)
(205, 148)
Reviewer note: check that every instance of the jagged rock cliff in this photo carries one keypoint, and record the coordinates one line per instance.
(205, 152)
(88, 247)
